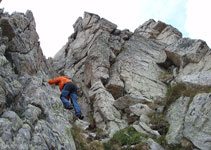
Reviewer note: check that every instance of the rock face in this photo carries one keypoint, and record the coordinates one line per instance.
(118, 74)
(192, 122)
(32, 116)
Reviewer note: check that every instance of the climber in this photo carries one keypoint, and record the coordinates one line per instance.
(68, 91)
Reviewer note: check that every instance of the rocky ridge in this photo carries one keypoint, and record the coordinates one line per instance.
(123, 78)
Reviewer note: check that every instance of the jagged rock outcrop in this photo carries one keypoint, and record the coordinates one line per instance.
(159, 31)
(32, 116)
(191, 120)
(121, 77)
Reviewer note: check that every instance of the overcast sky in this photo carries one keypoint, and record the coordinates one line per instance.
(54, 19)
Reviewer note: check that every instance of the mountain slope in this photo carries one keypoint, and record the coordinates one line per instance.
(124, 80)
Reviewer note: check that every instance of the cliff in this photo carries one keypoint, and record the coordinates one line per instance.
(151, 85)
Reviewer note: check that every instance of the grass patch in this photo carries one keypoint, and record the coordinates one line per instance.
(158, 119)
(81, 143)
(158, 122)
(124, 138)
(91, 121)
(180, 89)
(165, 75)
(162, 141)
(96, 145)
(100, 134)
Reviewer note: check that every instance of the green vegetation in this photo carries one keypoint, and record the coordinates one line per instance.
(158, 119)
(91, 121)
(158, 122)
(180, 89)
(165, 75)
(100, 134)
(122, 49)
(81, 143)
(162, 141)
(129, 138)
(125, 138)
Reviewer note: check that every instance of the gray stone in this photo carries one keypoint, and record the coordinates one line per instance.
(23, 137)
(192, 68)
(113, 128)
(129, 100)
(169, 35)
(116, 72)
(149, 130)
(138, 69)
(144, 118)
(115, 86)
(3, 61)
(159, 31)
(78, 25)
(32, 113)
(2, 99)
(186, 51)
(198, 80)
(107, 25)
(145, 29)
(140, 109)
(89, 20)
(139, 129)
(197, 121)
(82, 124)
(175, 117)
(153, 145)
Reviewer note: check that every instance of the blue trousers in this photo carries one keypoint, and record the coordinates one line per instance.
(70, 89)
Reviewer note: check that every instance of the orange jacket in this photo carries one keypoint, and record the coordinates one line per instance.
(60, 81)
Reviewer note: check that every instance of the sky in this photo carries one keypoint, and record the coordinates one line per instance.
(55, 19)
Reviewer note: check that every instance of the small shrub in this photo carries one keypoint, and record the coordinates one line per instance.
(80, 141)
(125, 137)
(100, 134)
(165, 75)
(95, 145)
(158, 122)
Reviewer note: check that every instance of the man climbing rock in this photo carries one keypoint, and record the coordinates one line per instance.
(68, 91)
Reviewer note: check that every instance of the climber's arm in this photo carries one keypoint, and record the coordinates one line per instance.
(54, 81)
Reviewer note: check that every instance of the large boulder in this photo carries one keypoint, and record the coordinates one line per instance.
(138, 69)
(159, 31)
(186, 51)
(197, 121)
(175, 117)
(190, 119)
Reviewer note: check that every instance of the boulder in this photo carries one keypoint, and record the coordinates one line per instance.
(186, 51)
(197, 80)
(130, 100)
(175, 116)
(197, 122)
(159, 31)
(153, 145)
(140, 109)
(138, 69)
